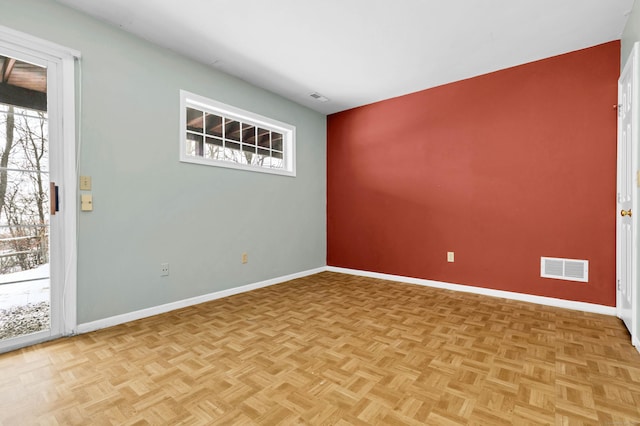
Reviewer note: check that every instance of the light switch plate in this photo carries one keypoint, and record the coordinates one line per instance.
(85, 183)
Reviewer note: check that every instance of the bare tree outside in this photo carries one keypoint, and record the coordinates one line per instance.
(25, 284)
(24, 217)
(24, 189)
(4, 158)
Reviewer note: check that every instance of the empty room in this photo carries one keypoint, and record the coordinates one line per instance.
(329, 213)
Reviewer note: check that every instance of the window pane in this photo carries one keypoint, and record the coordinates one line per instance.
(232, 145)
(194, 145)
(24, 239)
(264, 139)
(213, 148)
(194, 120)
(264, 152)
(214, 141)
(248, 134)
(248, 148)
(232, 130)
(29, 150)
(273, 163)
(230, 155)
(236, 156)
(214, 124)
(258, 160)
(276, 141)
(276, 154)
(213, 151)
(248, 157)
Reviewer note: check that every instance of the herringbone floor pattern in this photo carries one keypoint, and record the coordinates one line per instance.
(333, 349)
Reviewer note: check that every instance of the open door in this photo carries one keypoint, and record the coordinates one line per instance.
(627, 197)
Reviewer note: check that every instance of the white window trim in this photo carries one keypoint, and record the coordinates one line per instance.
(215, 107)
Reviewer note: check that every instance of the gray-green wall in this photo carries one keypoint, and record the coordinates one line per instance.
(150, 208)
(631, 33)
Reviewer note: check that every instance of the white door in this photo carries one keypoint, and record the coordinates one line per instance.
(37, 251)
(627, 211)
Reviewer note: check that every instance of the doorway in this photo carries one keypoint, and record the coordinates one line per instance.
(37, 209)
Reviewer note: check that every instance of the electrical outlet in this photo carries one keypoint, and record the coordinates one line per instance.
(86, 202)
(245, 258)
(164, 269)
(450, 256)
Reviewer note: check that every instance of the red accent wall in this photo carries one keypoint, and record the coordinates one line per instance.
(501, 169)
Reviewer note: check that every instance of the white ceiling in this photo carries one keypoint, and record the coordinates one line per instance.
(356, 52)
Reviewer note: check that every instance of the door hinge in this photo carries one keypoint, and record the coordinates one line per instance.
(618, 285)
(619, 110)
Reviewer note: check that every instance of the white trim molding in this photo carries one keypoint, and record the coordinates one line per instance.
(540, 300)
(156, 310)
(22, 40)
(161, 309)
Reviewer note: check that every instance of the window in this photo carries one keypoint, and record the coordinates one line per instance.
(217, 134)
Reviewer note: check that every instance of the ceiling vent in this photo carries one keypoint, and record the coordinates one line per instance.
(318, 97)
(564, 269)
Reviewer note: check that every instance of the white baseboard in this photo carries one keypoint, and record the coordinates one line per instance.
(540, 300)
(143, 313)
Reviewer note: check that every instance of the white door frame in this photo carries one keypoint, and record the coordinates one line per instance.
(62, 127)
(630, 66)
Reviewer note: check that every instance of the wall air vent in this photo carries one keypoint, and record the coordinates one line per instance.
(564, 269)
(318, 97)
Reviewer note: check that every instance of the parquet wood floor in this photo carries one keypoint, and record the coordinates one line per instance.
(333, 349)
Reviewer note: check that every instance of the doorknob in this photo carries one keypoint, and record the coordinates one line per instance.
(625, 213)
